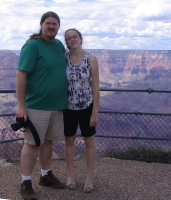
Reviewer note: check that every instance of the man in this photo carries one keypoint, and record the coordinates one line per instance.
(42, 95)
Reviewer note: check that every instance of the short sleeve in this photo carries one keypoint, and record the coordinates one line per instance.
(28, 56)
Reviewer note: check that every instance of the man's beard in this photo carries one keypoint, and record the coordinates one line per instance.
(50, 37)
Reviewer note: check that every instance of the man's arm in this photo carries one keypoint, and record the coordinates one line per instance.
(20, 92)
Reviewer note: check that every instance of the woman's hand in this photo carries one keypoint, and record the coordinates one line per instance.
(94, 119)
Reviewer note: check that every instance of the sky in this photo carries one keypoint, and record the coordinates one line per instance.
(104, 24)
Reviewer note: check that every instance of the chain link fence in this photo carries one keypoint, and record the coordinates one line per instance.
(116, 131)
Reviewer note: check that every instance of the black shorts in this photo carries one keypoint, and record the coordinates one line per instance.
(73, 118)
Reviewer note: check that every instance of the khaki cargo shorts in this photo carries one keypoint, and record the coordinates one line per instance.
(49, 125)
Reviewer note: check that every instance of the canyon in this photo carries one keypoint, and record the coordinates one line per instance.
(119, 69)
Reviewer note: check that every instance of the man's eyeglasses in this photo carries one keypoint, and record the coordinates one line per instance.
(73, 37)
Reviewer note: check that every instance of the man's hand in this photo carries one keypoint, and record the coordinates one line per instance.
(21, 112)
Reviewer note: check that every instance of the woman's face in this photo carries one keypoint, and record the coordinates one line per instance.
(73, 39)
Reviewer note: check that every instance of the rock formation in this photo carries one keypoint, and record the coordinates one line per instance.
(133, 61)
(8, 66)
(121, 67)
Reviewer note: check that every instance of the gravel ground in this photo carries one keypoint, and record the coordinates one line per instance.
(114, 179)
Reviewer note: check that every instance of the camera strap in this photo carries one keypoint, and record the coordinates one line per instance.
(34, 132)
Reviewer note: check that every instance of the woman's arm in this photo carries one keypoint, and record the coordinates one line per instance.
(95, 86)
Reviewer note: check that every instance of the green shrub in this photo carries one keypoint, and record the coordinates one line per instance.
(141, 154)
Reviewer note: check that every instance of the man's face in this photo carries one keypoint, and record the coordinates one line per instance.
(50, 28)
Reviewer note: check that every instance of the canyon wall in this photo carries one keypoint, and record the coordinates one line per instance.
(128, 69)
(116, 67)
(133, 61)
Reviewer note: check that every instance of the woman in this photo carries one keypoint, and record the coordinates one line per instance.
(83, 101)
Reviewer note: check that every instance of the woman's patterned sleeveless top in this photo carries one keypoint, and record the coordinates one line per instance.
(80, 94)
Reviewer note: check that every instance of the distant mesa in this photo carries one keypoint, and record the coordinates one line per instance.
(118, 68)
(17, 52)
(8, 66)
(133, 61)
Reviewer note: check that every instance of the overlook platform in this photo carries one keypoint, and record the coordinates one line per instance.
(114, 179)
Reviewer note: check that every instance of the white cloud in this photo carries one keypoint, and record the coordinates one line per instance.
(152, 10)
(107, 24)
(106, 0)
(65, 1)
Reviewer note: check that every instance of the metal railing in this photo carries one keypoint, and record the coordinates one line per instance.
(115, 130)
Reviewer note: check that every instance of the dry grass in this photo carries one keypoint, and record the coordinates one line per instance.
(114, 179)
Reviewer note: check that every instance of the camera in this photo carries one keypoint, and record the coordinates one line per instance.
(19, 124)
